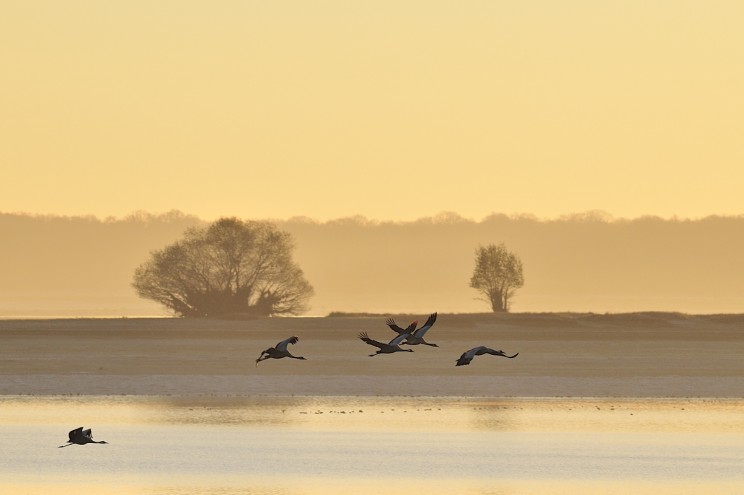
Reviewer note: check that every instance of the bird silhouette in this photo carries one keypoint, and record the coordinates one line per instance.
(409, 330)
(468, 356)
(78, 436)
(279, 351)
(383, 348)
(416, 336)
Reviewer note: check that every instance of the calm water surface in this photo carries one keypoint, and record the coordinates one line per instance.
(309, 445)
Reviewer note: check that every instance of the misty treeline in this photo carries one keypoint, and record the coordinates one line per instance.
(577, 263)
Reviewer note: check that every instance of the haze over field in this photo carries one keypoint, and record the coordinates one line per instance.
(84, 266)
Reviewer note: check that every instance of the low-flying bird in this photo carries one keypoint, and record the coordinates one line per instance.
(78, 436)
(383, 348)
(416, 335)
(279, 351)
(468, 356)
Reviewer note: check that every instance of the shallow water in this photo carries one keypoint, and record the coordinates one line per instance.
(308, 445)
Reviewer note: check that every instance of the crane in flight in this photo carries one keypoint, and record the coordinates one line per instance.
(279, 351)
(78, 436)
(468, 356)
(416, 335)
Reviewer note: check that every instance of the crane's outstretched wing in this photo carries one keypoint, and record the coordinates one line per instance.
(398, 339)
(76, 433)
(282, 346)
(467, 356)
(364, 337)
(426, 326)
(493, 352)
(88, 433)
(391, 323)
(393, 326)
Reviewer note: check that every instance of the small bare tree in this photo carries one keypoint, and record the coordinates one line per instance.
(230, 266)
(497, 275)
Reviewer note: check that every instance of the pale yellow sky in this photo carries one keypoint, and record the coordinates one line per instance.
(389, 109)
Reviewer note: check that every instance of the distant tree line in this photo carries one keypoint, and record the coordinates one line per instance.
(238, 267)
(77, 265)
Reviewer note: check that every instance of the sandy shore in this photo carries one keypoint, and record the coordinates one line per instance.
(571, 355)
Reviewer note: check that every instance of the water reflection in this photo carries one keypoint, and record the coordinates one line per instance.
(386, 413)
(364, 487)
(309, 445)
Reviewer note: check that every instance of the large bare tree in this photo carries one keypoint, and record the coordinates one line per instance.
(497, 275)
(231, 266)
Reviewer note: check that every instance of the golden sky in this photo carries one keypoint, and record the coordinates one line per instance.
(391, 109)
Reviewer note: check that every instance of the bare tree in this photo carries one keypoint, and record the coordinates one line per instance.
(230, 266)
(497, 275)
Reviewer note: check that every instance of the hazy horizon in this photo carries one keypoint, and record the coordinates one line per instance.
(79, 266)
(440, 216)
